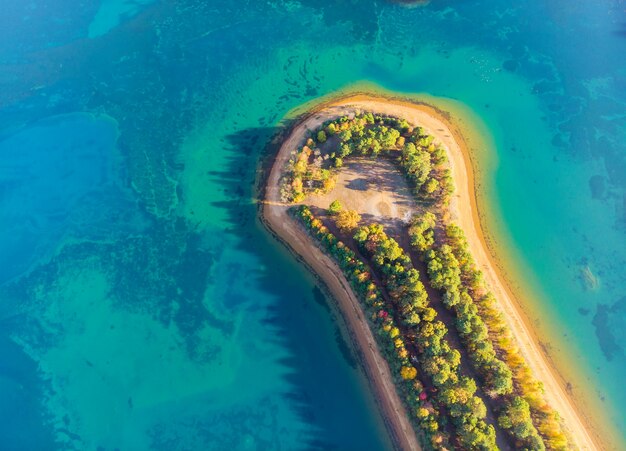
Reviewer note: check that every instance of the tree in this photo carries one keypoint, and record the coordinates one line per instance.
(431, 185)
(321, 136)
(516, 415)
(421, 231)
(412, 318)
(428, 314)
(408, 373)
(389, 137)
(447, 184)
(390, 250)
(443, 268)
(347, 220)
(345, 136)
(500, 378)
(416, 163)
(422, 412)
(439, 156)
(328, 185)
(335, 207)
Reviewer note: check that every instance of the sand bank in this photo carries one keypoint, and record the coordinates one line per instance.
(464, 211)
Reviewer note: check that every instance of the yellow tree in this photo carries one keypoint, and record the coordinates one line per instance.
(408, 373)
(347, 220)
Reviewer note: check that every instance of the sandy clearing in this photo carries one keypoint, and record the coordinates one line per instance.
(371, 187)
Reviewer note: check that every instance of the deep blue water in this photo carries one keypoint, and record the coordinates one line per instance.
(141, 303)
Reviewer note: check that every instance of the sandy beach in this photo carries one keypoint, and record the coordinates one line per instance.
(464, 212)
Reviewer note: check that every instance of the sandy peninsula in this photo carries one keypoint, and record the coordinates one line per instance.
(464, 212)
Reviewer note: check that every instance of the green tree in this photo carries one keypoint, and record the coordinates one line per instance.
(439, 156)
(335, 207)
(428, 314)
(500, 378)
(421, 231)
(412, 318)
(345, 136)
(431, 185)
(416, 163)
(516, 416)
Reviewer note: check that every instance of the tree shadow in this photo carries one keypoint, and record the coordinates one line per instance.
(361, 184)
(312, 386)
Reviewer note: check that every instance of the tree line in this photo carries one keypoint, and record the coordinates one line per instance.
(526, 385)
(485, 334)
(423, 414)
(312, 168)
(455, 392)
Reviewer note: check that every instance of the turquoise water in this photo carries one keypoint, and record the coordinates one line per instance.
(143, 306)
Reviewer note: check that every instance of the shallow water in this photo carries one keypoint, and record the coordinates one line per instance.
(143, 306)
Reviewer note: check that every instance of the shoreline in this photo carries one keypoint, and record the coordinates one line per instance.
(337, 305)
(274, 216)
(464, 211)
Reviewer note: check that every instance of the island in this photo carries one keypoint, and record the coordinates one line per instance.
(376, 196)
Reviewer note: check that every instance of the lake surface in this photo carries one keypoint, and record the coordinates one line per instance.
(142, 306)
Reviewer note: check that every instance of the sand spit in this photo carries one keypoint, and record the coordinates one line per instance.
(464, 212)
